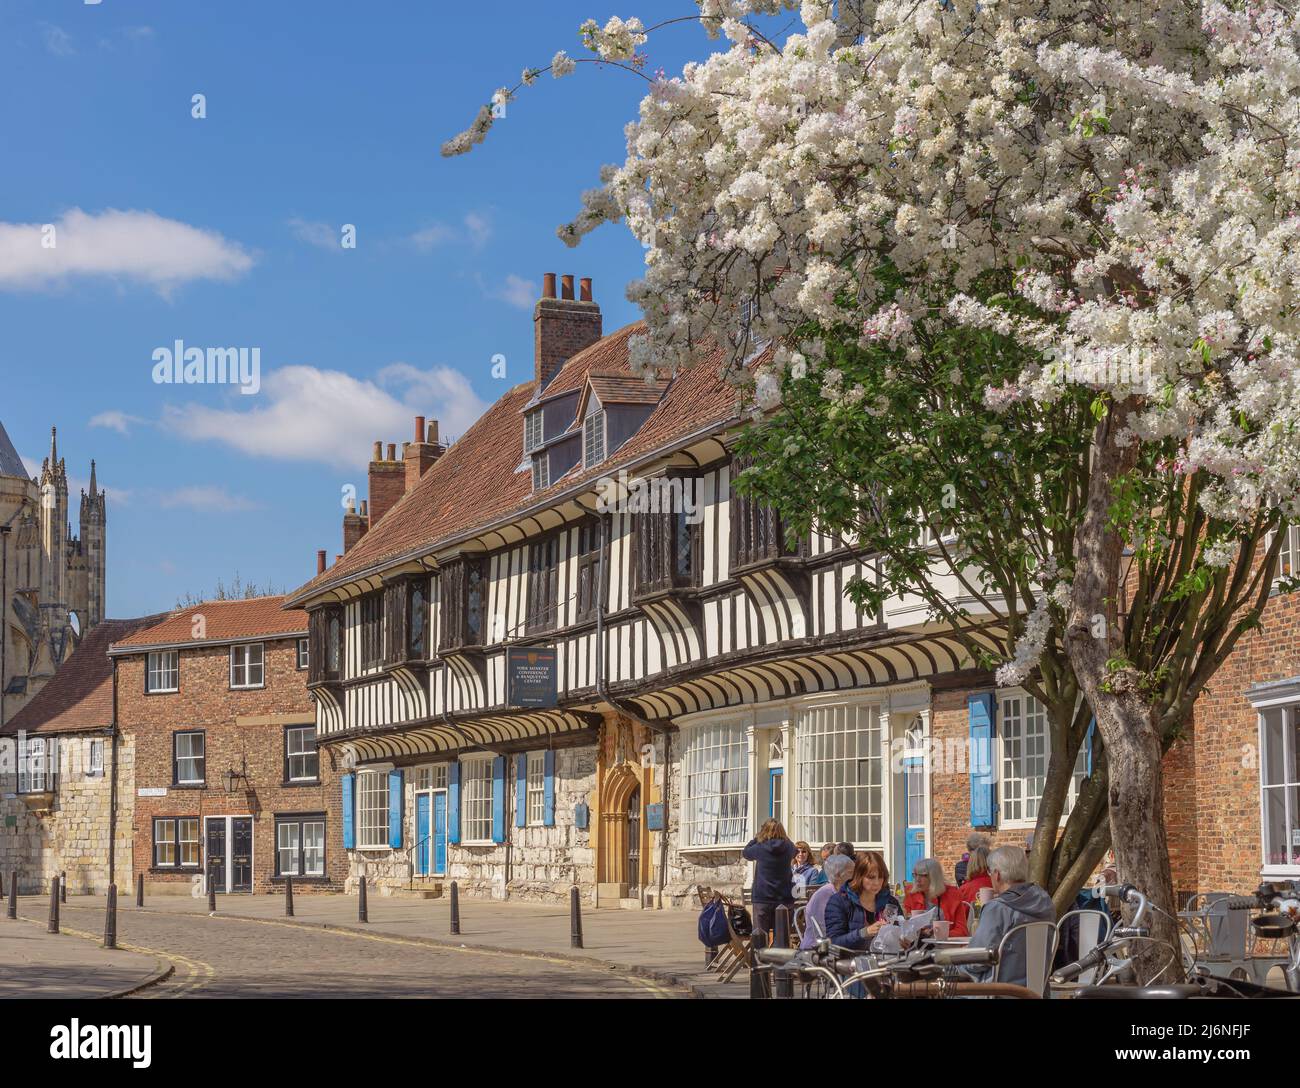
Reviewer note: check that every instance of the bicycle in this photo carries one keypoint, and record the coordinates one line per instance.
(1114, 956)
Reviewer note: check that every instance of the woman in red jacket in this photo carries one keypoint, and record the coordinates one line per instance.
(930, 890)
(977, 874)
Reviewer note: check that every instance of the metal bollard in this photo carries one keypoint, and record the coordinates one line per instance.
(781, 939)
(363, 915)
(212, 891)
(54, 905)
(13, 893)
(288, 897)
(139, 890)
(575, 918)
(455, 909)
(757, 973)
(63, 886)
(110, 919)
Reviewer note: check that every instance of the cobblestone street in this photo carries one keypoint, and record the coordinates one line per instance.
(231, 957)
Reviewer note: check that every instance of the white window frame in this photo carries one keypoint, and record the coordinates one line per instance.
(714, 748)
(162, 666)
(535, 789)
(533, 430)
(1288, 557)
(242, 666)
(1001, 757)
(476, 788)
(803, 740)
(95, 758)
(304, 658)
(37, 759)
(372, 810)
(593, 434)
(201, 758)
(304, 754)
(541, 471)
(281, 847)
(1288, 704)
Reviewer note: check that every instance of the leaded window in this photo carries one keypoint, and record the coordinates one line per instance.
(715, 769)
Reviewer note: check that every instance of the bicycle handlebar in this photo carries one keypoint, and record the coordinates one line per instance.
(1240, 902)
(960, 957)
(1071, 971)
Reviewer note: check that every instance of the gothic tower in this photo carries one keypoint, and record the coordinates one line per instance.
(93, 549)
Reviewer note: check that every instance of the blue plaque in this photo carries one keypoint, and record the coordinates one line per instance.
(654, 817)
(580, 815)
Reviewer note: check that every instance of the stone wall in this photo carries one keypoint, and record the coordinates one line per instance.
(72, 836)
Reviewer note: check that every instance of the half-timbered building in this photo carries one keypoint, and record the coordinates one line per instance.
(564, 650)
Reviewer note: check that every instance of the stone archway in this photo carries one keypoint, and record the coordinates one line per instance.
(620, 785)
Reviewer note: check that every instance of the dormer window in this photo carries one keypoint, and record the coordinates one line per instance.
(532, 430)
(593, 438)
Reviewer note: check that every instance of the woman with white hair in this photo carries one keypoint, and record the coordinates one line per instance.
(838, 869)
(930, 890)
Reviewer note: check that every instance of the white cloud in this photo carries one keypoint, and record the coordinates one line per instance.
(332, 417)
(434, 235)
(206, 499)
(315, 233)
(518, 292)
(480, 229)
(57, 40)
(133, 245)
(115, 420)
(475, 229)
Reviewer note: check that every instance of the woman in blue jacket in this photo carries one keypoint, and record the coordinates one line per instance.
(853, 915)
(771, 853)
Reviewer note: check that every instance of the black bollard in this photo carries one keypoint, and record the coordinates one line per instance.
(54, 905)
(575, 918)
(212, 891)
(110, 919)
(781, 939)
(288, 897)
(363, 915)
(455, 909)
(139, 890)
(757, 974)
(63, 887)
(13, 893)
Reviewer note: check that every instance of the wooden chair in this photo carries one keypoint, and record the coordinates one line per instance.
(739, 949)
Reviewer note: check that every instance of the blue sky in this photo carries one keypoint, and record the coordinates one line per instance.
(319, 114)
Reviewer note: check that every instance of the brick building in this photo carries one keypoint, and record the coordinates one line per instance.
(214, 702)
(66, 773)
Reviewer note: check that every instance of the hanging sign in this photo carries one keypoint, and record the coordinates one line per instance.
(530, 676)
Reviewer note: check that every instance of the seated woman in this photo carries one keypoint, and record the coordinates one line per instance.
(805, 874)
(837, 870)
(930, 890)
(853, 914)
(977, 874)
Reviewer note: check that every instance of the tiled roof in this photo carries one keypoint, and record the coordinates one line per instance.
(475, 483)
(252, 617)
(79, 696)
(625, 389)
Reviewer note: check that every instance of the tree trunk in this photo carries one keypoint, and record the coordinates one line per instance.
(1120, 700)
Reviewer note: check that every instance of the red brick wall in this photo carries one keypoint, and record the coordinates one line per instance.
(241, 728)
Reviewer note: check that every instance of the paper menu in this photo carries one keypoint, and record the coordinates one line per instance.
(890, 938)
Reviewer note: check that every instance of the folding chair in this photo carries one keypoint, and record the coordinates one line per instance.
(740, 951)
(797, 922)
(1093, 927)
(1039, 939)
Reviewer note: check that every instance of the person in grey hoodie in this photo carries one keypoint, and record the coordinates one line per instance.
(1015, 901)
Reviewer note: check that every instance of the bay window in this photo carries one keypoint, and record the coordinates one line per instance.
(838, 758)
(1279, 771)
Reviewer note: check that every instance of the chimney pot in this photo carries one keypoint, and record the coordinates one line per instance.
(566, 287)
(548, 285)
(584, 289)
(365, 512)
(405, 446)
(337, 558)
(378, 454)
(320, 561)
(419, 428)
(392, 451)
(433, 432)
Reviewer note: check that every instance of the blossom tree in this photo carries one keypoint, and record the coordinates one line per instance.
(1107, 191)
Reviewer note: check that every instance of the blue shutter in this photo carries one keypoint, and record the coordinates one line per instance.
(1087, 741)
(521, 790)
(396, 795)
(349, 835)
(981, 759)
(548, 790)
(499, 799)
(453, 803)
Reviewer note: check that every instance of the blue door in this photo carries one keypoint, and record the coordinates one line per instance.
(422, 834)
(440, 832)
(914, 830)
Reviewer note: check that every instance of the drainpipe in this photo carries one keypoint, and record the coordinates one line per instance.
(112, 789)
(664, 728)
(5, 530)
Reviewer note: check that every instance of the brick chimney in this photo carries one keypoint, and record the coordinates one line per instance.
(387, 481)
(320, 561)
(421, 453)
(354, 525)
(562, 326)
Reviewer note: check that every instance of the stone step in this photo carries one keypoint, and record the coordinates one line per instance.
(420, 891)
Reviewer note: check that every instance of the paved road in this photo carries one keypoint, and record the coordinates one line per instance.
(229, 957)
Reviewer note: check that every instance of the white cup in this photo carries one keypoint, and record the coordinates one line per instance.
(941, 927)
(985, 896)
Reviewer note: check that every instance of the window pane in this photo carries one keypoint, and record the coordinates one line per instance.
(313, 848)
(716, 784)
(1273, 755)
(373, 810)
